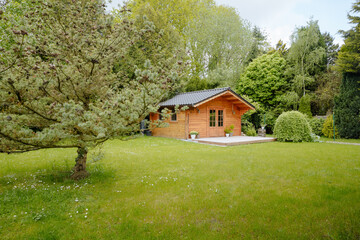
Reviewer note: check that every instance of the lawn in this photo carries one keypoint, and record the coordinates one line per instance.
(156, 188)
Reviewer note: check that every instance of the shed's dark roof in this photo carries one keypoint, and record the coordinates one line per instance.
(193, 98)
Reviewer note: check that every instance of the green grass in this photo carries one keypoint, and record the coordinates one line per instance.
(155, 188)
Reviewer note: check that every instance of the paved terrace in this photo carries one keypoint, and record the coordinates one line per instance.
(235, 140)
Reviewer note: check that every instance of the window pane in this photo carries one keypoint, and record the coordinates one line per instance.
(212, 118)
(174, 117)
(220, 118)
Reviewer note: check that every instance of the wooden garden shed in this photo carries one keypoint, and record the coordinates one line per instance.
(209, 113)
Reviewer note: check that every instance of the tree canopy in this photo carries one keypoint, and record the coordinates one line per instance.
(58, 85)
(349, 55)
(264, 80)
(306, 55)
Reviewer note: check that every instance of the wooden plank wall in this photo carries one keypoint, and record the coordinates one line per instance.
(199, 121)
(175, 129)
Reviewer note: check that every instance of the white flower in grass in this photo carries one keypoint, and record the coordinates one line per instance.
(76, 200)
(85, 216)
(14, 216)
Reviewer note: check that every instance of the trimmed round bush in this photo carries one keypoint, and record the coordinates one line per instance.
(316, 125)
(292, 127)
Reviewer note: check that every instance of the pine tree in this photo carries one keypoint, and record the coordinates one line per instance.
(58, 87)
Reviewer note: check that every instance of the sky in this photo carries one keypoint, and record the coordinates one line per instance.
(279, 18)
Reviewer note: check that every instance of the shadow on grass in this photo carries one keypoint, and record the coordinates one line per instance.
(97, 174)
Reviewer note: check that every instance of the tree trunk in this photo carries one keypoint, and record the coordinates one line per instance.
(79, 171)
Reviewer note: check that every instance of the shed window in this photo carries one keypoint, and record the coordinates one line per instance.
(220, 118)
(173, 116)
(212, 118)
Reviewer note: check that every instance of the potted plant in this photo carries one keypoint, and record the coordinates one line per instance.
(227, 132)
(193, 134)
(232, 129)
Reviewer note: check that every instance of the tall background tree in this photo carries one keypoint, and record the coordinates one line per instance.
(347, 103)
(218, 41)
(58, 84)
(264, 80)
(307, 56)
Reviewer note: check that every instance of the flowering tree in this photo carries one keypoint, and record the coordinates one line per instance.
(58, 84)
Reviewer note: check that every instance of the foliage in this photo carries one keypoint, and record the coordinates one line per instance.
(126, 189)
(253, 116)
(259, 46)
(57, 84)
(331, 49)
(328, 128)
(157, 43)
(328, 87)
(217, 39)
(248, 128)
(194, 133)
(263, 80)
(227, 130)
(314, 137)
(270, 118)
(178, 13)
(288, 101)
(316, 125)
(347, 106)
(349, 55)
(219, 42)
(304, 105)
(292, 127)
(250, 131)
(307, 56)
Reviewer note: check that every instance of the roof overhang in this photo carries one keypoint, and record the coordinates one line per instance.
(230, 96)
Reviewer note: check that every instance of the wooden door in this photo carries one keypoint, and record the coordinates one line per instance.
(216, 122)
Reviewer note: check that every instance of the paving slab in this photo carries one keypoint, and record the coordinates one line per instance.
(234, 140)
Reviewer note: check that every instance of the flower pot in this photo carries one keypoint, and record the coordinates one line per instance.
(227, 134)
(231, 134)
(193, 137)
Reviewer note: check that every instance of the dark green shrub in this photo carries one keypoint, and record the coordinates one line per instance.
(316, 125)
(347, 107)
(248, 128)
(305, 105)
(271, 117)
(292, 127)
(328, 128)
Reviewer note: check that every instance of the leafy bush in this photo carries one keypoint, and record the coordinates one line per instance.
(328, 128)
(250, 131)
(314, 137)
(248, 128)
(292, 127)
(304, 105)
(316, 125)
